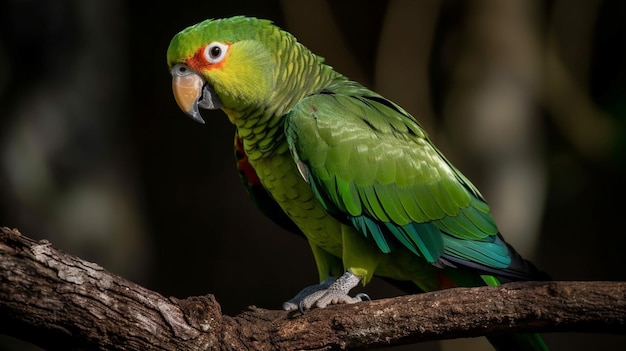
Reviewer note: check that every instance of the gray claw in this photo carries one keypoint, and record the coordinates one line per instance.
(301, 306)
(363, 296)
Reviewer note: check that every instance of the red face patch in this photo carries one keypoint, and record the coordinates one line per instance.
(210, 56)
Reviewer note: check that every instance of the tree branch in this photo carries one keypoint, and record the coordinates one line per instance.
(62, 302)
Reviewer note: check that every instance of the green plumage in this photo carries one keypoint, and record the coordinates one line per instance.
(369, 160)
(352, 170)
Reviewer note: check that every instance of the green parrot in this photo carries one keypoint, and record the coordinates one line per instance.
(351, 171)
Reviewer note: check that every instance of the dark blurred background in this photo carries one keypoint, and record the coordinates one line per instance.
(527, 98)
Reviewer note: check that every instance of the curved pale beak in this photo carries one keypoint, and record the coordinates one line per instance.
(191, 91)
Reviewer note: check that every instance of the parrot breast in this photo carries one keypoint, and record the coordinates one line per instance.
(280, 176)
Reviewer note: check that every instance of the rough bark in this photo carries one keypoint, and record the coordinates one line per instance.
(62, 302)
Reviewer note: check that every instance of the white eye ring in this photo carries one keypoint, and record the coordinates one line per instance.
(215, 52)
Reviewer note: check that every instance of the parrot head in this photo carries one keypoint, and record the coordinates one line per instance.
(225, 63)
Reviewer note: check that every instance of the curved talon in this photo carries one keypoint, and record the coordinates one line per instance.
(363, 296)
(301, 306)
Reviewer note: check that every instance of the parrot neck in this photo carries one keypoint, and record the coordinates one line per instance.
(262, 129)
(261, 139)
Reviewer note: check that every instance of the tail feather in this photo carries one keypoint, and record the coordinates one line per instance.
(523, 267)
(464, 273)
(519, 269)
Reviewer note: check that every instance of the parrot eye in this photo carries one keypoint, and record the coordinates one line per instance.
(215, 52)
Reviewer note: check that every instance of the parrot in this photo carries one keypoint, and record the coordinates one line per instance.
(350, 171)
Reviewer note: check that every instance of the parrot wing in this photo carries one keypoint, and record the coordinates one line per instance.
(371, 165)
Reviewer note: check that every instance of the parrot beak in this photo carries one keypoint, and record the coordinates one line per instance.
(192, 91)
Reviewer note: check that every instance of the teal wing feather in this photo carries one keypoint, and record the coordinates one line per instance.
(372, 165)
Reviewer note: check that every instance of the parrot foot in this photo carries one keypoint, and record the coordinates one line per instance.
(329, 292)
(293, 303)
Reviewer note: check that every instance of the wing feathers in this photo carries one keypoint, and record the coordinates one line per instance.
(492, 253)
(349, 196)
(370, 162)
(370, 228)
(368, 195)
(392, 204)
